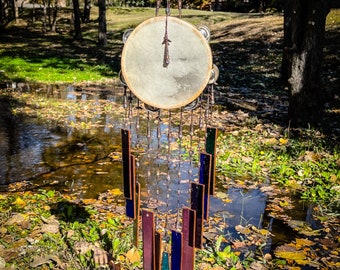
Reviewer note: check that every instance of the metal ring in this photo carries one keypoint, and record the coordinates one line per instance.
(121, 78)
(192, 105)
(205, 31)
(215, 72)
(126, 34)
(150, 108)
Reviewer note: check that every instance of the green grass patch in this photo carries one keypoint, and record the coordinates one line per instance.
(308, 164)
(54, 70)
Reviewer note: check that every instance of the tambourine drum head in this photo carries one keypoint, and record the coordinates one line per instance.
(187, 74)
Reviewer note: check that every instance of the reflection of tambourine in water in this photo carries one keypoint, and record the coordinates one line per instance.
(190, 66)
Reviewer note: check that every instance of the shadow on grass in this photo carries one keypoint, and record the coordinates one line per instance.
(69, 212)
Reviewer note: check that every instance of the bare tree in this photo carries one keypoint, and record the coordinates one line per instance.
(87, 11)
(304, 28)
(102, 36)
(76, 19)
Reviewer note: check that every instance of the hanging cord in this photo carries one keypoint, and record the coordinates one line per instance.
(158, 156)
(168, 177)
(209, 105)
(125, 106)
(130, 112)
(148, 137)
(191, 152)
(179, 167)
(166, 41)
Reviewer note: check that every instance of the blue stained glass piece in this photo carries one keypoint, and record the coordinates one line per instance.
(176, 250)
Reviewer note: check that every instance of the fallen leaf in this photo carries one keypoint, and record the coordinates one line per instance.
(289, 252)
(302, 242)
(243, 230)
(50, 228)
(16, 219)
(19, 202)
(133, 255)
(115, 192)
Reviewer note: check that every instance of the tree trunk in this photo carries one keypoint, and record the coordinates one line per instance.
(87, 11)
(77, 25)
(54, 16)
(304, 26)
(15, 11)
(2, 15)
(102, 38)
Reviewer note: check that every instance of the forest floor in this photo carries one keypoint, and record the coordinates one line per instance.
(48, 230)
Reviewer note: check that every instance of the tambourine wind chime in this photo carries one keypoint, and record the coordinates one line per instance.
(167, 64)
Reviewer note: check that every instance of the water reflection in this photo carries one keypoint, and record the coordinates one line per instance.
(21, 146)
(80, 161)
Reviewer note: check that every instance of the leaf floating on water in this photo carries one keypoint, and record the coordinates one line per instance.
(303, 228)
(115, 192)
(223, 196)
(243, 230)
(302, 242)
(289, 252)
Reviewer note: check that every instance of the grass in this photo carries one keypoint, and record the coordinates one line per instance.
(309, 166)
(254, 151)
(48, 230)
(32, 56)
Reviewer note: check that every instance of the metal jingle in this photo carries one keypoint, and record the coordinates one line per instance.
(215, 72)
(205, 31)
(150, 108)
(192, 105)
(126, 34)
(121, 78)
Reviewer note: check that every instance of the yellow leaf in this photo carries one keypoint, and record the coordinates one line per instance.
(89, 201)
(133, 255)
(116, 192)
(283, 141)
(289, 255)
(121, 258)
(302, 242)
(19, 202)
(264, 232)
(289, 252)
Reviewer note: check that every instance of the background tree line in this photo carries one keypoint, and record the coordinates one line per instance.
(304, 30)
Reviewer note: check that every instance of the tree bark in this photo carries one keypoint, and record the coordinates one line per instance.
(77, 24)
(87, 11)
(304, 26)
(102, 37)
(54, 16)
(2, 15)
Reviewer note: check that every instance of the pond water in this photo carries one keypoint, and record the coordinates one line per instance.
(81, 155)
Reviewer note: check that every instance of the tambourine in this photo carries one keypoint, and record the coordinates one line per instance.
(183, 79)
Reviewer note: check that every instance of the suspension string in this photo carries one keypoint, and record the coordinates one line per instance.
(191, 136)
(201, 125)
(158, 156)
(125, 106)
(148, 175)
(130, 112)
(179, 167)
(211, 98)
(168, 176)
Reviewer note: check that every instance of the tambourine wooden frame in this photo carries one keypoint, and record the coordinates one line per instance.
(186, 76)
